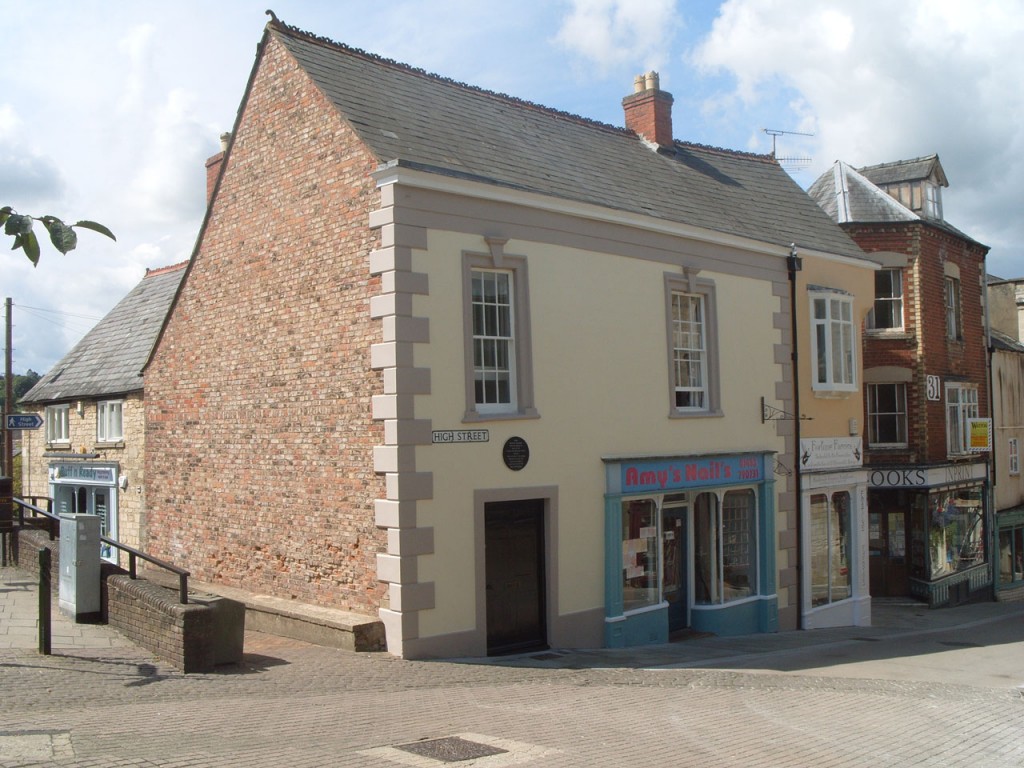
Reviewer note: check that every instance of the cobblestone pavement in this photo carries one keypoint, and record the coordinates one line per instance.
(784, 700)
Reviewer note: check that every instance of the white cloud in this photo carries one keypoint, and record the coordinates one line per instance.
(611, 33)
(879, 81)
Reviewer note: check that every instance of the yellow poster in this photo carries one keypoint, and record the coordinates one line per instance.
(979, 435)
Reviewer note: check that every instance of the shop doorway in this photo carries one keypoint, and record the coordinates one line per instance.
(90, 500)
(887, 551)
(675, 590)
(516, 585)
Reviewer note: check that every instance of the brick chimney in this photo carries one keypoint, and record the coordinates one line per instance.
(213, 166)
(649, 110)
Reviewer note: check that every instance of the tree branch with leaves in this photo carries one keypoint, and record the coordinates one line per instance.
(62, 236)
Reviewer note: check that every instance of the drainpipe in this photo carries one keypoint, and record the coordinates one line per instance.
(794, 265)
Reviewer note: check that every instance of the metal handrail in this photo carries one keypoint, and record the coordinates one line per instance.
(133, 553)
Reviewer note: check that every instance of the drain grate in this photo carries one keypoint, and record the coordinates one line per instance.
(450, 749)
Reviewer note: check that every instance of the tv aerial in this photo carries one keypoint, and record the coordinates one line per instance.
(788, 163)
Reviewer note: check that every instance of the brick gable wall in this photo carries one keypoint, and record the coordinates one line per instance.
(924, 348)
(258, 398)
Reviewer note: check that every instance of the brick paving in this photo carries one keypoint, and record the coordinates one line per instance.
(780, 700)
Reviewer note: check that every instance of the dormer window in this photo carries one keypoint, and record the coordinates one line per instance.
(923, 197)
(932, 200)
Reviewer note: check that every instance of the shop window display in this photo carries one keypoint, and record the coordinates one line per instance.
(956, 537)
(830, 548)
(725, 546)
(640, 554)
(1011, 556)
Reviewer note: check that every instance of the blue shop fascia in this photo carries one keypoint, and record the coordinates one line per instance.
(689, 544)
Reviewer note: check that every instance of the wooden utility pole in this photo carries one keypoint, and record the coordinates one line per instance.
(8, 468)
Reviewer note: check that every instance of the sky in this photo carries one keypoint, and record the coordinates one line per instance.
(109, 110)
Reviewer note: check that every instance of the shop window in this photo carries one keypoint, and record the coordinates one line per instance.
(961, 405)
(640, 554)
(109, 422)
(1011, 556)
(497, 337)
(887, 312)
(830, 548)
(832, 342)
(725, 546)
(1013, 454)
(951, 298)
(956, 536)
(887, 415)
(58, 424)
(692, 345)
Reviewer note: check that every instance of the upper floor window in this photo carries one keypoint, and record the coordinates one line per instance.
(887, 312)
(58, 424)
(887, 415)
(1013, 454)
(932, 201)
(109, 427)
(497, 336)
(832, 342)
(951, 297)
(692, 347)
(961, 405)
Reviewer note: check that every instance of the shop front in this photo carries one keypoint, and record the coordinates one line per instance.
(1010, 538)
(928, 531)
(835, 544)
(690, 544)
(88, 488)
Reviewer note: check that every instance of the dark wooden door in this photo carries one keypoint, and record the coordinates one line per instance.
(514, 556)
(674, 586)
(888, 554)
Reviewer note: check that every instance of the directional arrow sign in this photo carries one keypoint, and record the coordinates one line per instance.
(24, 421)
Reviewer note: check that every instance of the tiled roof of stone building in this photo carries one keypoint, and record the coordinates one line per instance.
(409, 118)
(108, 360)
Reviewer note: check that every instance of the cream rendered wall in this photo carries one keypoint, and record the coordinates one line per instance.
(601, 389)
(832, 412)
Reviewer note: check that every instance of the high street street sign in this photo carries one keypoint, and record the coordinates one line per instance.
(24, 421)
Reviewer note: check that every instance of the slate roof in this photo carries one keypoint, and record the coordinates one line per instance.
(906, 170)
(413, 119)
(108, 360)
(1005, 342)
(847, 196)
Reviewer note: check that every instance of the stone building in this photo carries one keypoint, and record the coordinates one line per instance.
(89, 455)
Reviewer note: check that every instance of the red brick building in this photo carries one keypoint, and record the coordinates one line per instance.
(925, 382)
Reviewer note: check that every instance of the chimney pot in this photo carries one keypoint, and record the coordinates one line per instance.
(649, 111)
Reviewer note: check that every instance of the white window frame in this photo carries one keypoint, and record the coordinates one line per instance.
(834, 370)
(1013, 455)
(58, 424)
(875, 415)
(520, 367)
(894, 300)
(109, 421)
(704, 355)
(951, 301)
(961, 405)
